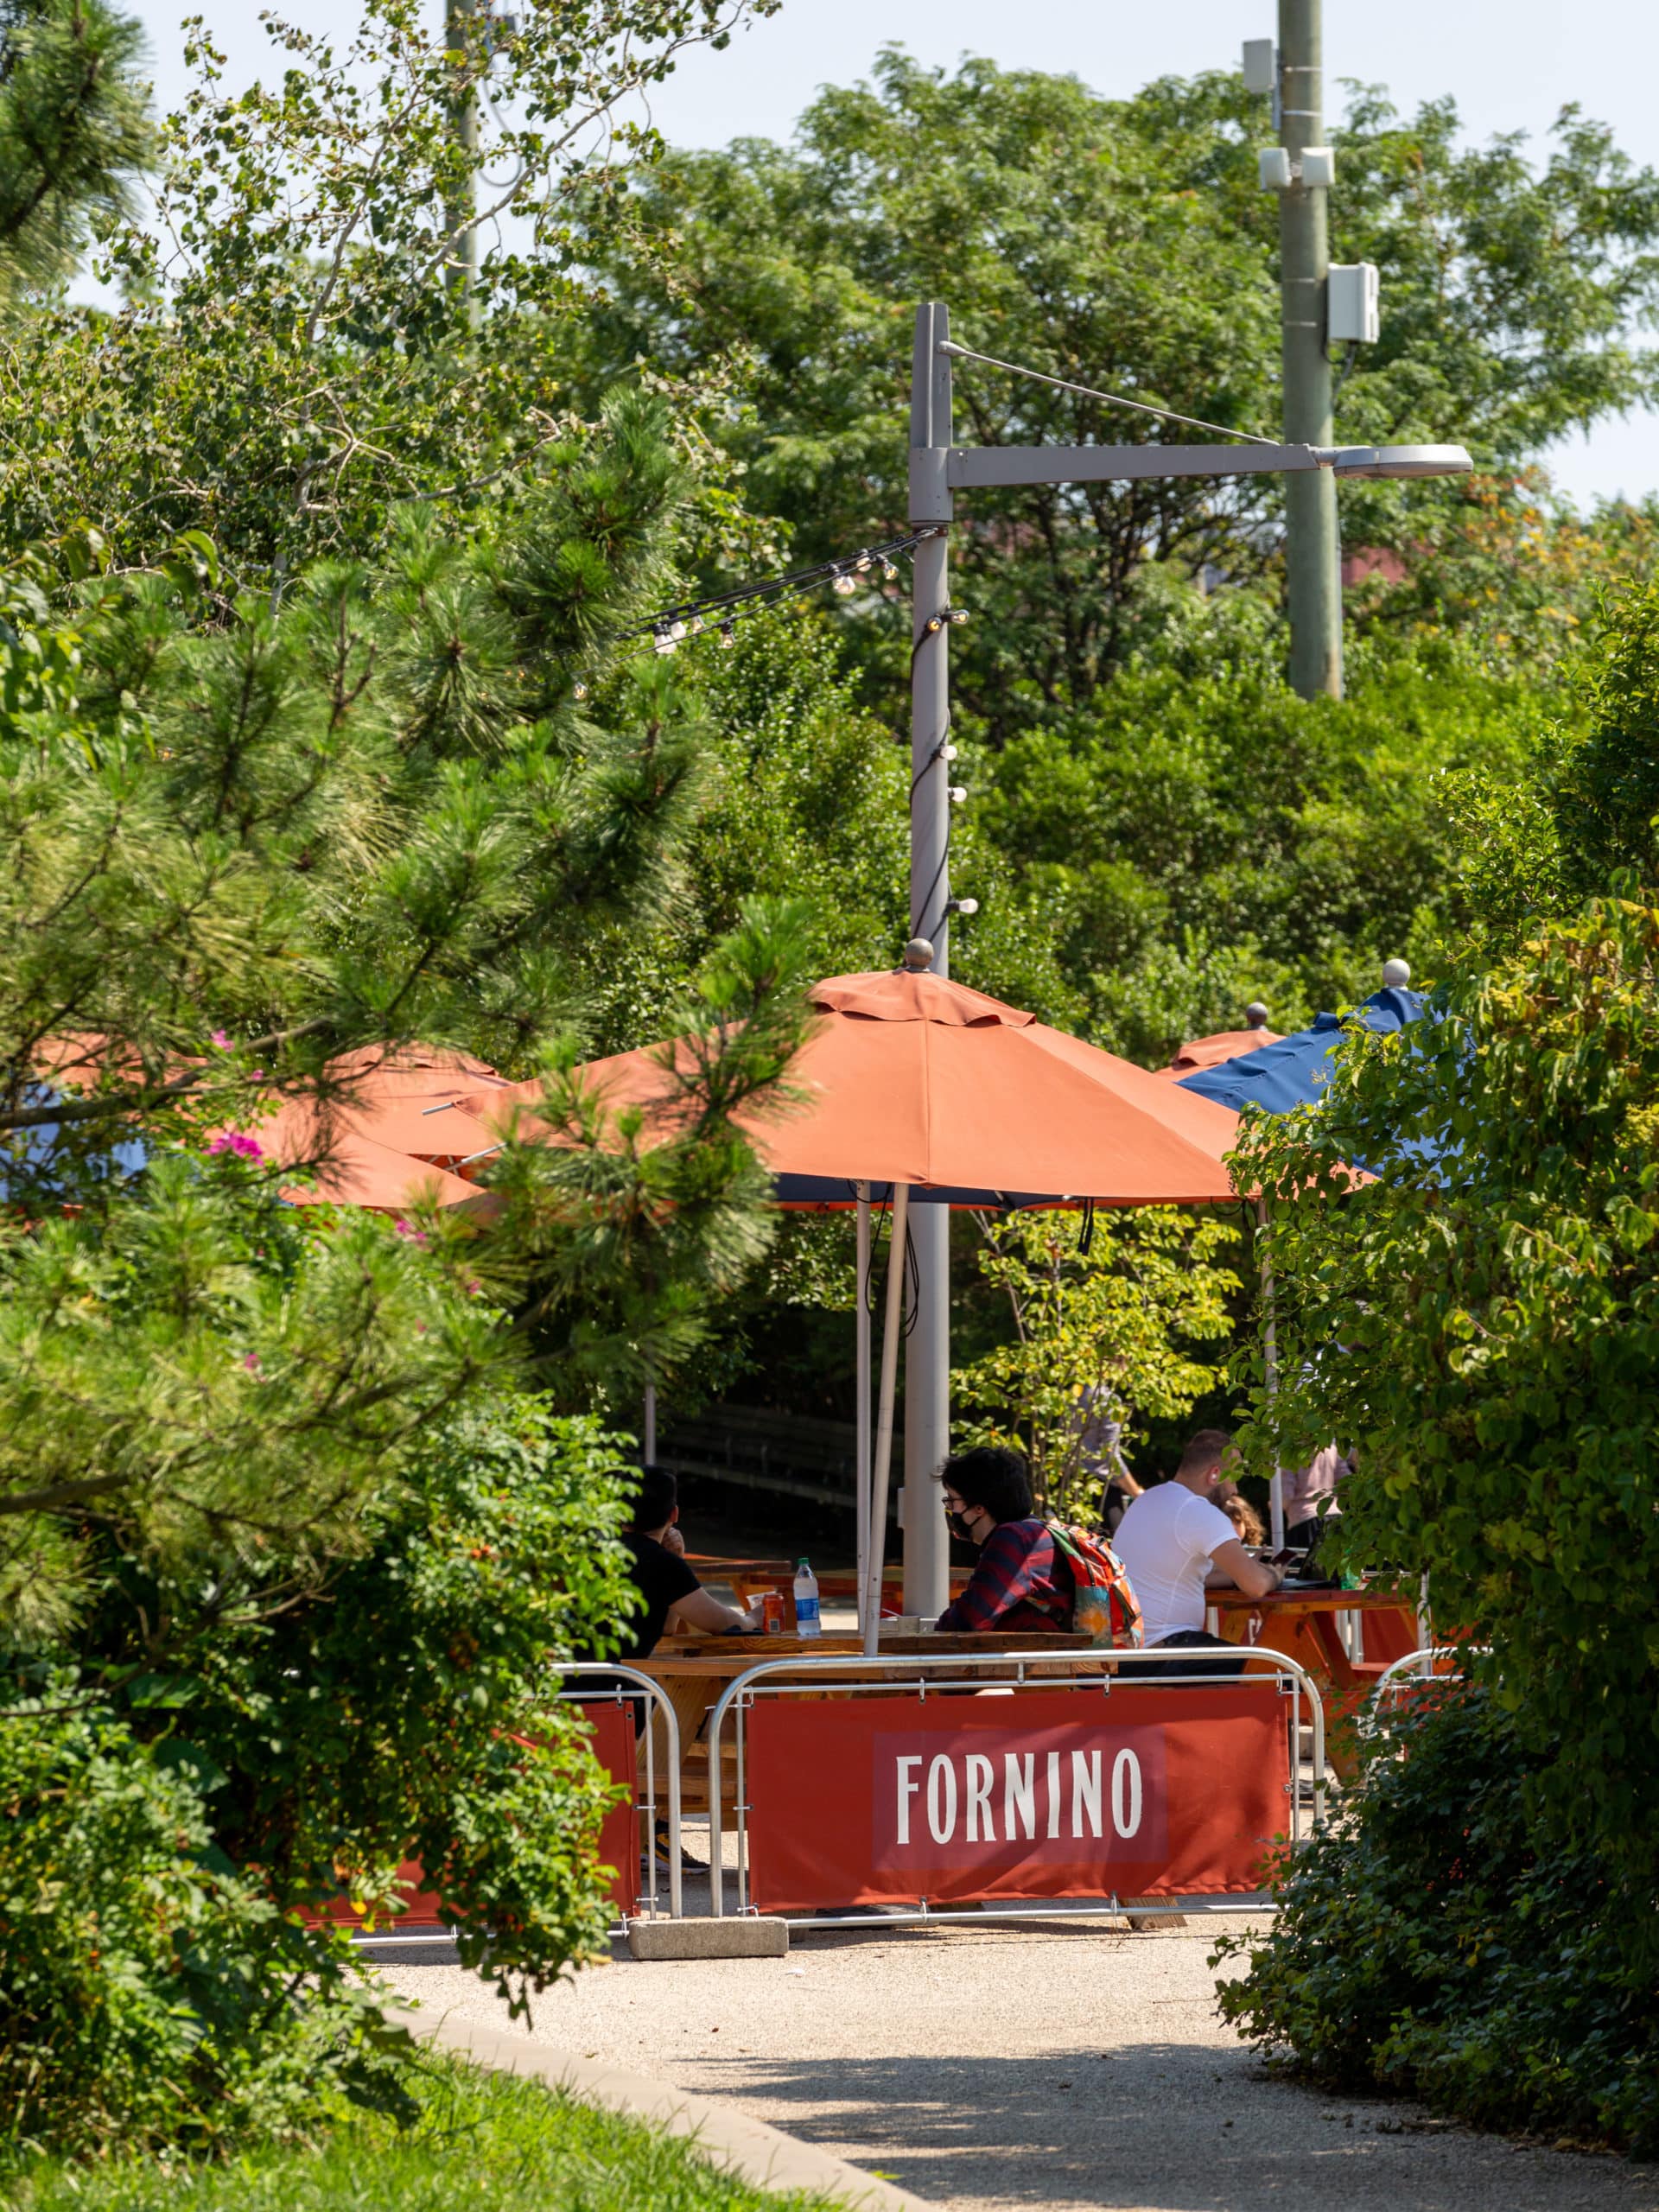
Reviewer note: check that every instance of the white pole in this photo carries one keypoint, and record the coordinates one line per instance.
(863, 1417)
(927, 1362)
(1270, 1362)
(649, 1439)
(884, 1414)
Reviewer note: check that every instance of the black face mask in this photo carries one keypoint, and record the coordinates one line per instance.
(959, 1526)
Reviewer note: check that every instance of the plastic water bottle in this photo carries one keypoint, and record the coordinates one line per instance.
(806, 1602)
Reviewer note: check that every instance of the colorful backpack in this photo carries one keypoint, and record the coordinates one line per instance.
(1103, 1602)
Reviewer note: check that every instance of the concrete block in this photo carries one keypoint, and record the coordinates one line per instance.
(744, 1938)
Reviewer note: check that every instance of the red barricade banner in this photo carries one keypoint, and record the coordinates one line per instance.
(1046, 1794)
(616, 1748)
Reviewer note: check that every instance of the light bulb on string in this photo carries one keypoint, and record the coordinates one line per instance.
(664, 642)
(695, 626)
(676, 631)
(863, 561)
(934, 625)
(842, 584)
(958, 615)
(579, 689)
(947, 752)
(958, 793)
(728, 632)
(888, 570)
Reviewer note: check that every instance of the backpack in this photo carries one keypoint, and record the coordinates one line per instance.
(1104, 1605)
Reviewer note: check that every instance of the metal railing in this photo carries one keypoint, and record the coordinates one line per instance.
(1091, 1671)
(624, 1692)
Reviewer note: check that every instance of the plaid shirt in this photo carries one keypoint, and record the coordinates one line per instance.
(1016, 1584)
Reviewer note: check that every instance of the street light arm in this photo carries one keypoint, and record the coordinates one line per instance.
(937, 471)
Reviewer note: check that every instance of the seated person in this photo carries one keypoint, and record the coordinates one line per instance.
(1018, 1582)
(659, 1573)
(1243, 1515)
(1174, 1537)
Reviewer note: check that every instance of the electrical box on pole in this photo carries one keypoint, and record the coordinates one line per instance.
(1261, 66)
(1351, 313)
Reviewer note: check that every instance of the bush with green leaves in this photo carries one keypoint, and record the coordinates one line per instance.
(1428, 1940)
(148, 1983)
(1479, 1322)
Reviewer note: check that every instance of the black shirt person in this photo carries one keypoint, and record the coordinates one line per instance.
(660, 1572)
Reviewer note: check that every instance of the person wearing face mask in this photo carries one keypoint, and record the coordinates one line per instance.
(1018, 1583)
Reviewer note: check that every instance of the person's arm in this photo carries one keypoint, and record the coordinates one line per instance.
(700, 1609)
(1253, 1576)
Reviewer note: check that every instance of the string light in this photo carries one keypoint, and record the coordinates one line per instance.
(958, 615)
(663, 630)
(947, 752)
(958, 793)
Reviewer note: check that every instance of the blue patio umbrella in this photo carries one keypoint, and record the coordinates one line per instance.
(1296, 1071)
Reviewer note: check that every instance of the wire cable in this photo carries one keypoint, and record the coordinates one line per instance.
(1088, 391)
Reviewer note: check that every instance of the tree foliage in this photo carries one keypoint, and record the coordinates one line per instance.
(1479, 1323)
(298, 356)
(74, 136)
(1115, 1330)
(1124, 244)
(1426, 1941)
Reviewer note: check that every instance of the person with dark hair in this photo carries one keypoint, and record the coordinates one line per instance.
(1018, 1581)
(1174, 1537)
(661, 1574)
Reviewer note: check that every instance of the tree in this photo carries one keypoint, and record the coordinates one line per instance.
(1478, 1322)
(1124, 244)
(295, 359)
(1113, 1330)
(74, 136)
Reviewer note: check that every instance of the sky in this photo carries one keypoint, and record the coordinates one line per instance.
(1511, 65)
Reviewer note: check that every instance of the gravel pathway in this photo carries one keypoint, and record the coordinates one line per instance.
(989, 2068)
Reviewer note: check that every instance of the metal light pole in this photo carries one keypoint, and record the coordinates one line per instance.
(937, 471)
(1313, 549)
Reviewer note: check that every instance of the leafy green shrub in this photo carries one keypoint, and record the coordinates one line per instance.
(148, 1984)
(1432, 1939)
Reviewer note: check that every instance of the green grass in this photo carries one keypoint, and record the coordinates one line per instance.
(485, 2143)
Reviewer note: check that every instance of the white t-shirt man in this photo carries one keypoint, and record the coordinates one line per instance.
(1167, 1539)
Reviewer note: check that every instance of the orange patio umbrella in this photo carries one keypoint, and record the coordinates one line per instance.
(1226, 1045)
(913, 1084)
(912, 1080)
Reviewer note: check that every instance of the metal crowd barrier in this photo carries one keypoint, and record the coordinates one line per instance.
(657, 1702)
(1392, 1678)
(1082, 1670)
(625, 1692)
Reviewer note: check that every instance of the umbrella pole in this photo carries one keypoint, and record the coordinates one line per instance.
(1270, 1364)
(884, 1414)
(861, 1477)
(649, 1439)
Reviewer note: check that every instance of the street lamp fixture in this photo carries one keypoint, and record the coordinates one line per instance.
(938, 469)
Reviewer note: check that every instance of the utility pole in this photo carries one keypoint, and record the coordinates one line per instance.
(1312, 548)
(927, 1355)
(462, 23)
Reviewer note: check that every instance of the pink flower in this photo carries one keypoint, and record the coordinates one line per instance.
(219, 1038)
(250, 1361)
(407, 1230)
(232, 1141)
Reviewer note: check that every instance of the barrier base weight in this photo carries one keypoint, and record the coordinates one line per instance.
(744, 1937)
